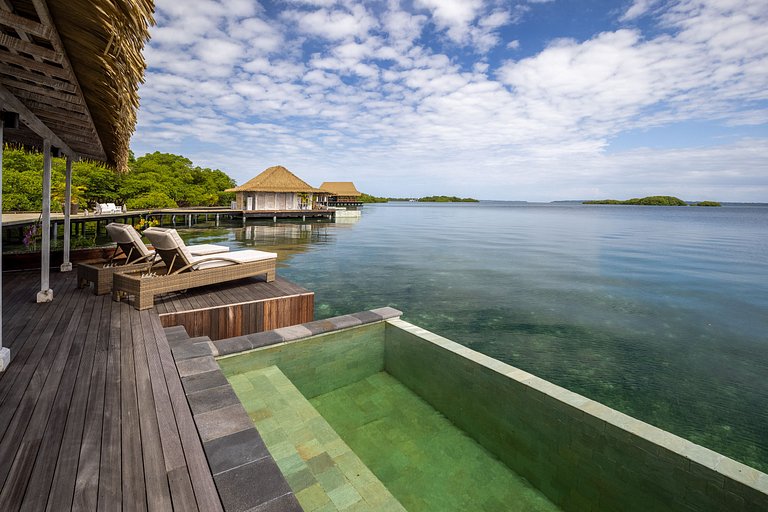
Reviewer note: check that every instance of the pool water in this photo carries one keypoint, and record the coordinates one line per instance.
(424, 460)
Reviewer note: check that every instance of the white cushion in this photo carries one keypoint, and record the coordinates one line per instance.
(126, 234)
(203, 249)
(231, 258)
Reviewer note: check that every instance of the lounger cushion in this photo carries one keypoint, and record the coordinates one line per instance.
(231, 258)
(203, 249)
(125, 234)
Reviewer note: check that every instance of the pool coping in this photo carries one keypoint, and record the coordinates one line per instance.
(236, 453)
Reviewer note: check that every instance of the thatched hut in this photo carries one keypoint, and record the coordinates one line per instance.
(341, 193)
(275, 189)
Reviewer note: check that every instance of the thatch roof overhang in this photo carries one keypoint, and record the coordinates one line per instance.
(341, 188)
(71, 70)
(276, 179)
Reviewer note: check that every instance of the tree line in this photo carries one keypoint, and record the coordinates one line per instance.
(155, 180)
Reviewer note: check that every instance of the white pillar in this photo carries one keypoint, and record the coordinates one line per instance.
(66, 266)
(46, 294)
(5, 353)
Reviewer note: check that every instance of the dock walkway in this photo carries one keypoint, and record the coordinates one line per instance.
(92, 411)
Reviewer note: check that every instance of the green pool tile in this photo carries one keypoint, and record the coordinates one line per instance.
(344, 497)
(424, 460)
(313, 498)
(321, 469)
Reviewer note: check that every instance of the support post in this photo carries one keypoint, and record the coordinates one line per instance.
(46, 294)
(5, 352)
(66, 266)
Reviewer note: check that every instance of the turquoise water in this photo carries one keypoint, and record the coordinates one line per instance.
(660, 312)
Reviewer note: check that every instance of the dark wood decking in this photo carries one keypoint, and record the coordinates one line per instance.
(238, 308)
(92, 411)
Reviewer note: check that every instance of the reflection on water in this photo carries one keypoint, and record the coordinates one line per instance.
(659, 312)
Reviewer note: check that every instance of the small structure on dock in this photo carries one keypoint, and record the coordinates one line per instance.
(340, 193)
(275, 189)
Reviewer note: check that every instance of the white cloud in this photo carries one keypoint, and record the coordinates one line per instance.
(363, 88)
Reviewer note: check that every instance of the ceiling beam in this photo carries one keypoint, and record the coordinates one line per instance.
(25, 24)
(33, 65)
(30, 48)
(29, 96)
(13, 104)
(37, 78)
(39, 89)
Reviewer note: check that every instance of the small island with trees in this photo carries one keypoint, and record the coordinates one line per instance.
(366, 198)
(653, 201)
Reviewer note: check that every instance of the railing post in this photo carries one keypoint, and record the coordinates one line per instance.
(5, 353)
(66, 265)
(46, 294)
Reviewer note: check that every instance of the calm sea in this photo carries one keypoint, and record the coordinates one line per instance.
(660, 312)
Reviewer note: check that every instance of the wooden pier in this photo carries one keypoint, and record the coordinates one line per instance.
(15, 224)
(92, 410)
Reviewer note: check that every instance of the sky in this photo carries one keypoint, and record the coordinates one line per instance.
(536, 100)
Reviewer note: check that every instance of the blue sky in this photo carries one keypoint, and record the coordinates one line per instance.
(533, 100)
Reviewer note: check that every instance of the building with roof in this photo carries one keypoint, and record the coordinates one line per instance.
(340, 193)
(275, 189)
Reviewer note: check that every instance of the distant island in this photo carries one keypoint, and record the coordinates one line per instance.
(447, 199)
(367, 198)
(654, 201)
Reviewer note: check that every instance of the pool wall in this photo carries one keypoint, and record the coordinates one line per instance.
(321, 363)
(581, 454)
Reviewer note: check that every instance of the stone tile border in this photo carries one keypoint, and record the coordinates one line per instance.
(246, 475)
(296, 332)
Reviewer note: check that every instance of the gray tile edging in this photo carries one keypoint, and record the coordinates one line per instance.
(241, 344)
(237, 456)
(725, 466)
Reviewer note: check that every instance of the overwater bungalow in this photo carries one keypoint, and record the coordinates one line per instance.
(275, 189)
(341, 193)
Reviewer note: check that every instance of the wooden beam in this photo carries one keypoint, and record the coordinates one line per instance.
(33, 65)
(37, 78)
(12, 85)
(66, 129)
(29, 26)
(44, 111)
(55, 111)
(13, 104)
(30, 48)
(42, 98)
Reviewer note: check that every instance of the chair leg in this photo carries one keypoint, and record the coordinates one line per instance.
(270, 276)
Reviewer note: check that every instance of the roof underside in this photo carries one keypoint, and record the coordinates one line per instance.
(341, 188)
(275, 179)
(71, 69)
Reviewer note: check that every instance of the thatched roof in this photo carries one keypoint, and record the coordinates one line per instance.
(73, 67)
(275, 179)
(341, 188)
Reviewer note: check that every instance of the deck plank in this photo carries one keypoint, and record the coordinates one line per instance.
(93, 415)
(68, 409)
(133, 488)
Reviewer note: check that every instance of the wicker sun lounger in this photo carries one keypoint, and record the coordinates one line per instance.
(183, 270)
(137, 258)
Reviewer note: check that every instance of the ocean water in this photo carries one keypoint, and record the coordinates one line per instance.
(659, 312)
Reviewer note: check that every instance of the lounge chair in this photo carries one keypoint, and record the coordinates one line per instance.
(137, 258)
(184, 270)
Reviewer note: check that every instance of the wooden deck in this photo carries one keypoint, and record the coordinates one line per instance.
(92, 411)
